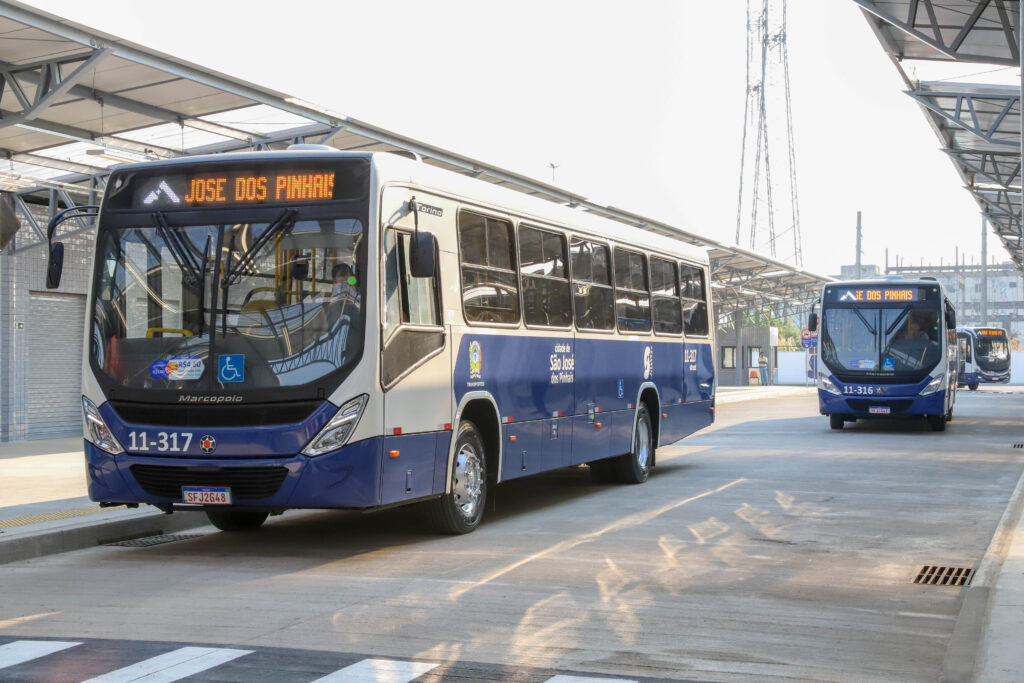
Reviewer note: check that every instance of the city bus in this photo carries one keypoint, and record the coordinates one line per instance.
(984, 356)
(887, 348)
(319, 329)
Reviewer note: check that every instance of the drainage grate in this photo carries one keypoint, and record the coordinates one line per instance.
(932, 575)
(1018, 445)
(153, 540)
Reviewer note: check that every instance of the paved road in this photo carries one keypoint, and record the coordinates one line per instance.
(767, 546)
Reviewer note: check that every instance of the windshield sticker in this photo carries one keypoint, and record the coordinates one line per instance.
(231, 367)
(889, 363)
(178, 368)
(865, 364)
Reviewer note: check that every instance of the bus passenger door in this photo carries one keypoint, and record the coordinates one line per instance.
(415, 375)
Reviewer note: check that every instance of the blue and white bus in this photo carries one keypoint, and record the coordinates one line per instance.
(318, 329)
(887, 348)
(984, 356)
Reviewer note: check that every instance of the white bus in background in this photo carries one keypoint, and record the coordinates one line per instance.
(318, 329)
(984, 356)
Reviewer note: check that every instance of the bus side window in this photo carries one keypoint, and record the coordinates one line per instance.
(490, 293)
(695, 307)
(632, 298)
(668, 318)
(593, 297)
(545, 278)
(412, 308)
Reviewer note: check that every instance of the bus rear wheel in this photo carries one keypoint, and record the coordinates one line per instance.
(237, 520)
(635, 467)
(460, 510)
(835, 421)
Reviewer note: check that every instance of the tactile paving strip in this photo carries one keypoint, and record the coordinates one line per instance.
(50, 516)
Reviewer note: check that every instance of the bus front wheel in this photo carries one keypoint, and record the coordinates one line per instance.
(835, 421)
(937, 422)
(460, 510)
(237, 520)
(973, 386)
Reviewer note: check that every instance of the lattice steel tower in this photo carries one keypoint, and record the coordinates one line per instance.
(768, 195)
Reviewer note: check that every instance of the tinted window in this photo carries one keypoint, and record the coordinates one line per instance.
(593, 298)
(668, 315)
(632, 300)
(695, 307)
(490, 293)
(545, 281)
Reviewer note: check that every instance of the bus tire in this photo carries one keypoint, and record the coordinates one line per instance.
(835, 421)
(461, 510)
(634, 467)
(973, 386)
(937, 422)
(237, 520)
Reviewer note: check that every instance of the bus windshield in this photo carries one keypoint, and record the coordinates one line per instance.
(228, 306)
(993, 353)
(880, 340)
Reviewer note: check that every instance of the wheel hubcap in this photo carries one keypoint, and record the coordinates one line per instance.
(643, 444)
(467, 484)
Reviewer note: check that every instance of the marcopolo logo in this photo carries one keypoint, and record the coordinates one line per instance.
(193, 398)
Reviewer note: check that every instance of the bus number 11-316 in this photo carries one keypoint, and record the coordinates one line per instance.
(161, 441)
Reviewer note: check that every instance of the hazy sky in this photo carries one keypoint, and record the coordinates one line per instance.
(639, 103)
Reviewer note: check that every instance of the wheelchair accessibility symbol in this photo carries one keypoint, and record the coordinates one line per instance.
(231, 367)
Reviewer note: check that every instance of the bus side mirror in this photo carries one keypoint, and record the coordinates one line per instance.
(951, 320)
(423, 254)
(55, 265)
(812, 322)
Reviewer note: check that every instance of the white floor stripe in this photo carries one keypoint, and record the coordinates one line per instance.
(561, 678)
(26, 650)
(378, 671)
(172, 666)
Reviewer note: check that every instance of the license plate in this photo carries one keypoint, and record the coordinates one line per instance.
(879, 410)
(206, 495)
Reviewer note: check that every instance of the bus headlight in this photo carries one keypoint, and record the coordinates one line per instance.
(96, 431)
(826, 385)
(336, 432)
(937, 384)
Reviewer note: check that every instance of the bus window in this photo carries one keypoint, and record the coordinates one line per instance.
(545, 278)
(489, 290)
(593, 297)
(668, 316)
(632, 299)
(695, 307)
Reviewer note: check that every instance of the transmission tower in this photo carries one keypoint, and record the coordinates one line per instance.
(768, 196)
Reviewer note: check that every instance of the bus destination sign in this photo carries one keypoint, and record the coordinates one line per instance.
(881, 295)
(234, 189)
(987, 332)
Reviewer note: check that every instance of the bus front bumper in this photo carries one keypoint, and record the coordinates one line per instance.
(887, 400)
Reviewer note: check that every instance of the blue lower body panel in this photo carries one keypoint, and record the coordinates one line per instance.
(359, 475)
(887, 400)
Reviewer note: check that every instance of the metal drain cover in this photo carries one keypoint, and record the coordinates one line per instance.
(1018, 445)
(153, 540)
(933, 575)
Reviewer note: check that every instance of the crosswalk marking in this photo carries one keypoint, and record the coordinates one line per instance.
(378, 671)
(562, 678)
(26, 650)
(172, 666)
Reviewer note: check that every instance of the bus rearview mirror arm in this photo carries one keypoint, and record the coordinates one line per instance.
(812, 319)
(55, 262)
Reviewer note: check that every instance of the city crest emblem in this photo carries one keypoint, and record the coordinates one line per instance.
(475, 360)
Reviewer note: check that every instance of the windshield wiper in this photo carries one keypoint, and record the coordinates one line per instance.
(182, 255)
(897, 321)
(864, 320)
(283, 223)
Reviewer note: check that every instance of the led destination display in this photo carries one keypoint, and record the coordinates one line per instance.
(990, 333)
(881, 295)
(229, 189)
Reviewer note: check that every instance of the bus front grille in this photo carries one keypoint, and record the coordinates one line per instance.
(897, 405)
(247, 483)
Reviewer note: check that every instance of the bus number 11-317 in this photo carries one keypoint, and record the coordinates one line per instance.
(161, 441)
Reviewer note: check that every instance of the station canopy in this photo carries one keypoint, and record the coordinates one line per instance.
(75, 102)
(978, 125)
